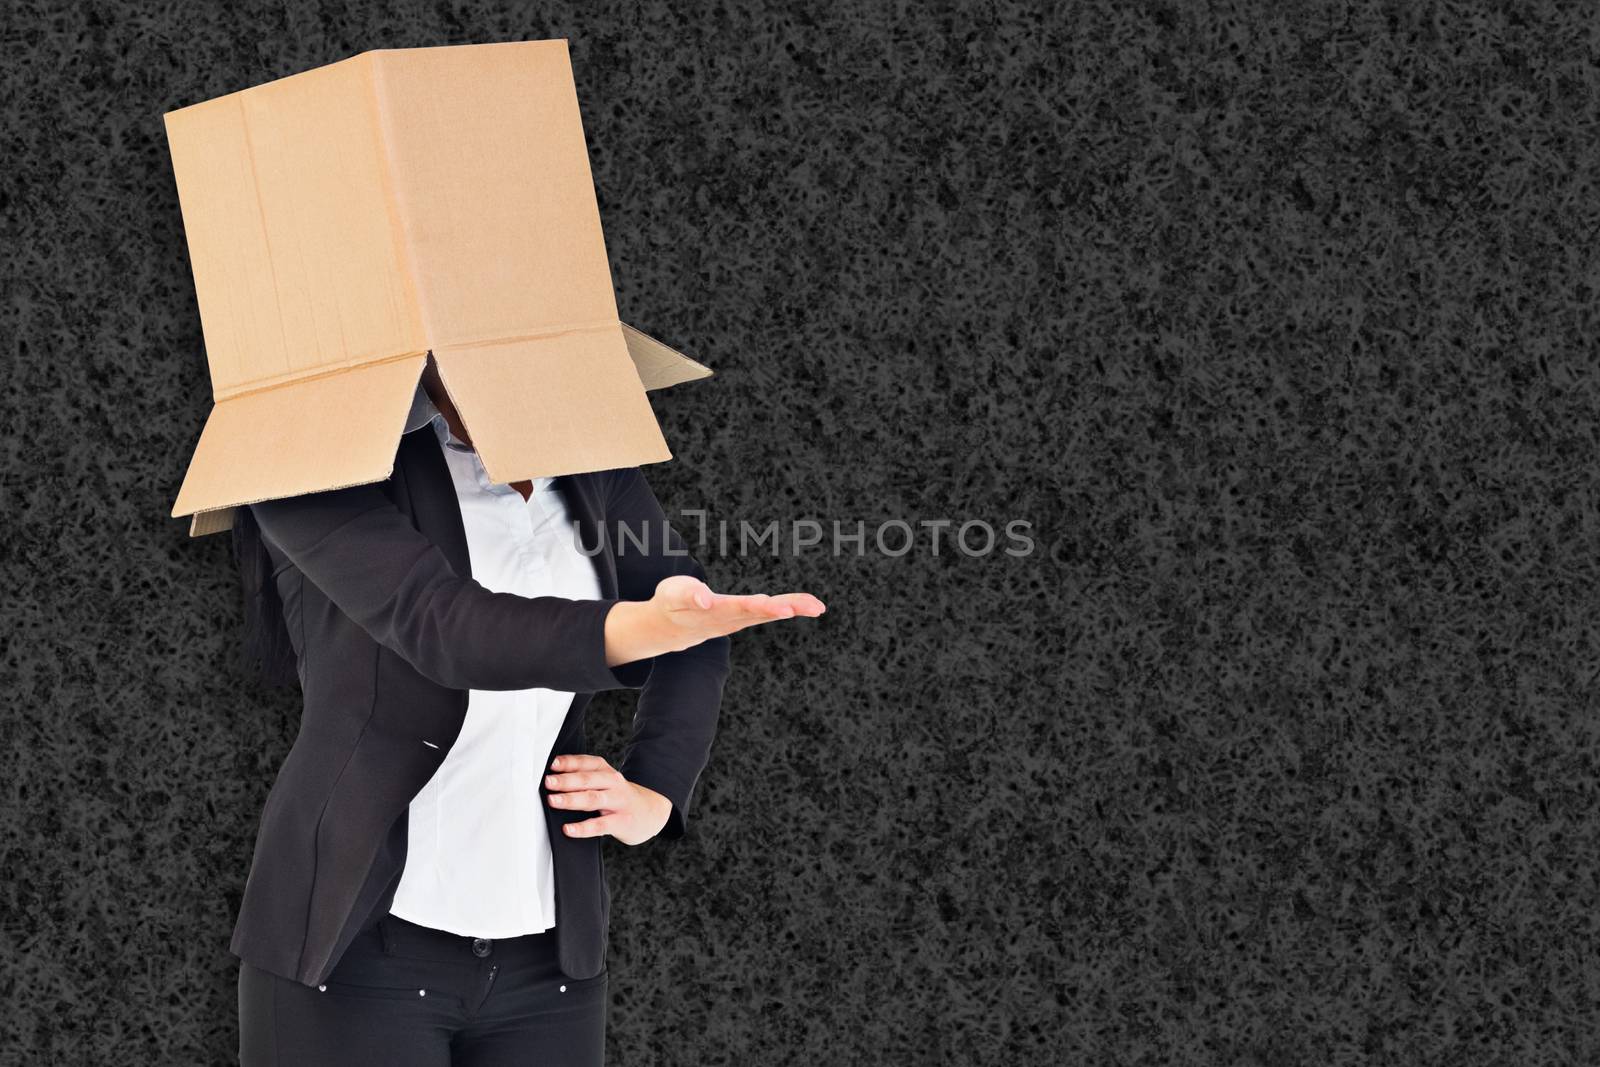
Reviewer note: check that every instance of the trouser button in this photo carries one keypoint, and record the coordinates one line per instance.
(481, 946)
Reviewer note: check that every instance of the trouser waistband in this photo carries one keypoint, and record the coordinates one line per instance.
(401, 937)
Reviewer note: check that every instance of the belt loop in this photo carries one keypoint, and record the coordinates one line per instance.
(387, 935)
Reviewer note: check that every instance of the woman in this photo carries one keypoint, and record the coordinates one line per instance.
(427, 887)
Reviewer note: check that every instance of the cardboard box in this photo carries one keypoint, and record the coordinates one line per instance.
(346, 221)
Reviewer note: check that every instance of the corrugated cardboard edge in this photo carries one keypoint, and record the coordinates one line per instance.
(209, 522)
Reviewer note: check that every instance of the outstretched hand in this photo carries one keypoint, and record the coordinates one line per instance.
(685, 611)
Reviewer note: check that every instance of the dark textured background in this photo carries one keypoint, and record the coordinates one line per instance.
(1276, 320)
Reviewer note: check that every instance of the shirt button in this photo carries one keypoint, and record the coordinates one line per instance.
(481, 946)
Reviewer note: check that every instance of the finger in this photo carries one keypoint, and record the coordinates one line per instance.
(595, 827)
(803, 604)
(581, 780)
(755, 609)
(582, 800)
(783, 605)
(746, 607)
(579, 762)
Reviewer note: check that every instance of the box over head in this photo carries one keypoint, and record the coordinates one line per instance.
(346, 221)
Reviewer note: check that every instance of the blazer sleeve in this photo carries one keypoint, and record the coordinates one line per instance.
(678, 706)
(393, 581)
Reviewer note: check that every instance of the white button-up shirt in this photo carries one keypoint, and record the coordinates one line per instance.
(478, 861)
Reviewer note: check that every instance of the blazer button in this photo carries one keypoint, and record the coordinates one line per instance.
(481, 946)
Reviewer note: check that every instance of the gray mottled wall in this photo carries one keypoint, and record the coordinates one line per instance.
(1276, 321)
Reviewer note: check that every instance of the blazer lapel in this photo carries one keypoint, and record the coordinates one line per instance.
(434, 507)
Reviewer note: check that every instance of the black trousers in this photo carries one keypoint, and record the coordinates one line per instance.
(405, 995)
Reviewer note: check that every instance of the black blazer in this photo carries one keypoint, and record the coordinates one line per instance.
(391, 632)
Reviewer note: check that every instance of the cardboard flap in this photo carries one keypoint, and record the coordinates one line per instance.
(304, 436)
(564, 403)
(660, 367)
(210, 522)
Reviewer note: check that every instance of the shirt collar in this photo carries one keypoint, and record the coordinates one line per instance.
(423, 412)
